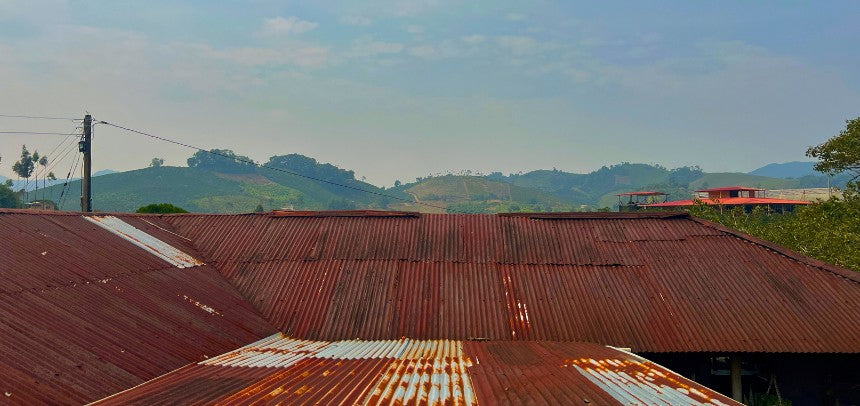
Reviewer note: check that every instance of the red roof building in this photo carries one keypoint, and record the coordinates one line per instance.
(738, 196)
(525, 304)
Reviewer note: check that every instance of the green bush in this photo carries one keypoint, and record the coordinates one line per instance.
(8, 198)
(161, 208)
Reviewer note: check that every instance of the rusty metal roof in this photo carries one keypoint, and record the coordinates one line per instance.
(434, 372)
(91, 305)
(85, 313)
(653, 282)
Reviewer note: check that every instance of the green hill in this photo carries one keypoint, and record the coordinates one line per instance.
(475, 194)
(205, 189)
(710, 180)
(228, 183)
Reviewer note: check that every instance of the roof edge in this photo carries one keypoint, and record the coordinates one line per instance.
(599, 215)
(343, 213)
(787, 252)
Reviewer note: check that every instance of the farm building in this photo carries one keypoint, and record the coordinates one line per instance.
(733, 196)
(363, 306)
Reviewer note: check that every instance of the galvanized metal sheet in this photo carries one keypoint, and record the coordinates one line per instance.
(432, 372)
(145, 241)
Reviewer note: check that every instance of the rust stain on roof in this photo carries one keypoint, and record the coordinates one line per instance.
(348, 289)
(280, 369)
(633, 381)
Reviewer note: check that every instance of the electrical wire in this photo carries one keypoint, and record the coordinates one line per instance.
(66, 184)
(65, 152)
(50, 167)
(274, 168)
(34, 133)
(44, 169)
(38, 117)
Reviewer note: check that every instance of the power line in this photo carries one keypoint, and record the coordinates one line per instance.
(50, 155)
(37, 117)
(66, 184)
(372, 192)
(62, 155)
(34, 133)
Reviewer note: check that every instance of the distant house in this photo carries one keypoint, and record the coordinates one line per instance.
(733, 196)
(369, 306)
(49, 205)
(636, 200)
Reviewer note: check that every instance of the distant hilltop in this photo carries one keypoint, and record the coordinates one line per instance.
(787, 170)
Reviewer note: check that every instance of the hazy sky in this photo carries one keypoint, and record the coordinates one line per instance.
(402, 88)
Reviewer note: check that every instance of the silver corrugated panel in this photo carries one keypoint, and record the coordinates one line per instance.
(433, 372)
(145, 241)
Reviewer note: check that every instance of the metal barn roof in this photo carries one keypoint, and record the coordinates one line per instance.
(93, 305)
(654, 282)
(281, 369)
(85, 313)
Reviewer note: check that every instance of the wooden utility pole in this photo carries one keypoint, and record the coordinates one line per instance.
(85, 147)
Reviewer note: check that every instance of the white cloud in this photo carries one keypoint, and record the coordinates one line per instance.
(518, 45)
(516, 17)
(473, 39)
(411, 8)
(289, 25)
(298, 55)
(414, 29)
(367, 46)
(424, 51)
(444, 49)
(358, 21)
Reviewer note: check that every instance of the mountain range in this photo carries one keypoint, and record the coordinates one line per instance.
(224, 186)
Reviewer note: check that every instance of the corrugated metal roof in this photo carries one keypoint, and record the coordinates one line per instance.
(85, 313)
(280, 368)
(653, 282)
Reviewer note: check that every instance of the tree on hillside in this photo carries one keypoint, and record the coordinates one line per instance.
(684, 175)
(840, 153)
(43, 162)
(221, 160)
(310, 167)
(24, 167)
(157, 162)
(161, 208)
